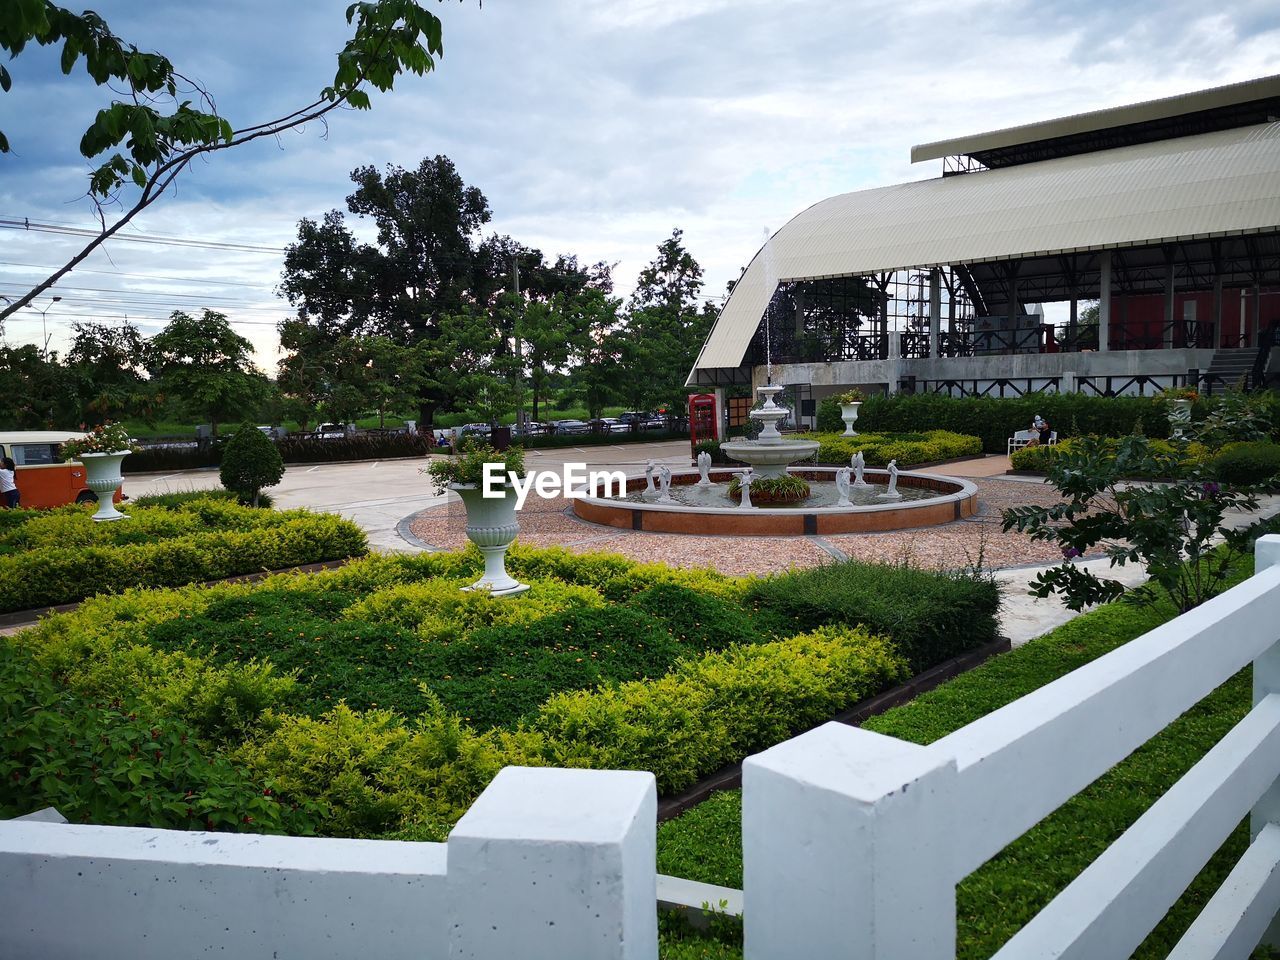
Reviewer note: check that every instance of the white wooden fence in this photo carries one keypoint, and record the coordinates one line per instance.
(853, 842)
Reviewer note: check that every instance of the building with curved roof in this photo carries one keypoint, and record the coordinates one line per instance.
(1154, 229)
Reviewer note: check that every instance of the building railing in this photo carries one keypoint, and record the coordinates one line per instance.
(853, 842)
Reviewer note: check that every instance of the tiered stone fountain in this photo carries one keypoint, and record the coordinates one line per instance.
(771, 453)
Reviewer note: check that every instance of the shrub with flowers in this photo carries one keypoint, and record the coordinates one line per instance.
(107, 438)
(1177, 393)
(852, 395)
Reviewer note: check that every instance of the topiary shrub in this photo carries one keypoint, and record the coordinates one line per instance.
(1246, 464)
(250, 462)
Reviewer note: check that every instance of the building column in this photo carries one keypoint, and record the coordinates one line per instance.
(1168, 334)
(1104, 300)
(935, 310)
(1257, 315)
(1217, 311)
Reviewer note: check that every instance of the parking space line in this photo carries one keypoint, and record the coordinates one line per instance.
(313, 470)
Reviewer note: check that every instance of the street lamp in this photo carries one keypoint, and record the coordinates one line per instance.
(44, 331)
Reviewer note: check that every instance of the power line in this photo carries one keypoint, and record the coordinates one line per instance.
(35, 226)
(158, 296)
(85, 317)
(141, 276)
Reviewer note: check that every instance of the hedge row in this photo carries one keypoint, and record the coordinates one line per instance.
(292, 449)
(996, 420)
(42, 574)
(1038, 459)
(906, 448)
(347, 692)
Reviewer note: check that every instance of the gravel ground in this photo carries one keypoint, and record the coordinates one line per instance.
(953, 545)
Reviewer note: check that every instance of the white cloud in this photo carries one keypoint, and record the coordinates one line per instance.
(595, 128)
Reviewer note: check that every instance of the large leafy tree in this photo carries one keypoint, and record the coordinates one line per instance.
(107, 365)
(663, 330)
(203, 366)
(151, 131)
(35, 390)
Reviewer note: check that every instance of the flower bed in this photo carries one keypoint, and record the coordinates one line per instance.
(1038, 459)
(378, 699)
(60, 556)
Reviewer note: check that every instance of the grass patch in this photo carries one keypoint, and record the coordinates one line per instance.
(996, 900)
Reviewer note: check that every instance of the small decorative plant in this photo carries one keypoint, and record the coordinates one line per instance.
(466, 467)
(852, 395)
(784, 489)
(108, 438)
(1177, 393)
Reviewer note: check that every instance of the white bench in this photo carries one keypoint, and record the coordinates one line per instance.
(1023, 437)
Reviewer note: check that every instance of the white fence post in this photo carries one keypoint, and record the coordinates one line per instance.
(554, 865)
(1266, 680)
(847, 849)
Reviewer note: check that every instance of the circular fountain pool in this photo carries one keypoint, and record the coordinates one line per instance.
(925, 500)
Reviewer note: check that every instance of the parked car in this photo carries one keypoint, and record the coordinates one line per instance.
(43, 479)
(610, 425)
(531, 429)
(331, 431)
(571, 427)
(642, 420)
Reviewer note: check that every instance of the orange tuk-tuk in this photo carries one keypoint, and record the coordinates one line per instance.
(43, 479)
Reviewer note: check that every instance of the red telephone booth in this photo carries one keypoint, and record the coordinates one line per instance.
(702, 420)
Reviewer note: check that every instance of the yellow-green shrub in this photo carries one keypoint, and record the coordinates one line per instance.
(907, 448)
(717, 709)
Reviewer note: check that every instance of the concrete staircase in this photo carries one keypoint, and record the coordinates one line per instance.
(1233, 366)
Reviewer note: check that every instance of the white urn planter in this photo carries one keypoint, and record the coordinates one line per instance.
(1179, 416)
(102, 476)
(849, 414)
(492, 526)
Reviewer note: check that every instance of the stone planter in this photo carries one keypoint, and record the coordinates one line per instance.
(491, 526)
(849, 414)
(1179, 416)
(102, 476)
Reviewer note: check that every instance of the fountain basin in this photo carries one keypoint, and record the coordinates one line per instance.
(939, 500)
(769, 459)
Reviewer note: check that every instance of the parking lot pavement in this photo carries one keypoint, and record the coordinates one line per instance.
(378, 494)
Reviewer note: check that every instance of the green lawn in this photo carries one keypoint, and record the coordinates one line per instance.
(996, 900)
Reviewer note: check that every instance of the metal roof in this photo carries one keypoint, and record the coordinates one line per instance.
(1213, 184)
(1218, 99)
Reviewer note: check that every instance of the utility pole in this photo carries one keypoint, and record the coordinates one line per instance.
(515, 272)
(44, 330)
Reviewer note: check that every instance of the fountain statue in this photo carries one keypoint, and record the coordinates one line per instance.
(892, 493)
(704, 468)
(744, 484)
(770, 453)
(858, 462)
(842, 487)
(648, 478)
(664, 484)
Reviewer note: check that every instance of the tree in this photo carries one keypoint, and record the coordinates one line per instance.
(305, 373)
(107, 364)
(35, 390)
(202, 365)
(249, 463)
(663, 330)
(161, 132)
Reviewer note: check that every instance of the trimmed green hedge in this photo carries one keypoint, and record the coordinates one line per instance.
(1038, 459)
(996, 420)
(996, 900)
(907, 448)
(62, 556)
(383, 698)
(931, 616)
(1245, 464)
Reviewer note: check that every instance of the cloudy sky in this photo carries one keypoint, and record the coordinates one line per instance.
(593, 126)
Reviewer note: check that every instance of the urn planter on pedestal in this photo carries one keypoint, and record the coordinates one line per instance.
(492, 526)
(849, 414)
(102, 476)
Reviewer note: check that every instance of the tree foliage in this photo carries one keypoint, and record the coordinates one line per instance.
(204, 366)
(162, 120)
(249, 463)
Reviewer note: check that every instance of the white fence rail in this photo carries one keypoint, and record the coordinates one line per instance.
(853, 843)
